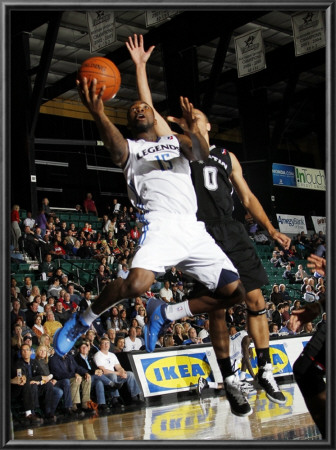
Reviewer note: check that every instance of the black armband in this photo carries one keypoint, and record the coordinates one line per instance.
(256, 313)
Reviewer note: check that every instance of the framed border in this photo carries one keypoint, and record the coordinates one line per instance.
(329, 7)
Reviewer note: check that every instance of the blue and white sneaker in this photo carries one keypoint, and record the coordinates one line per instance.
(157, 324)
(65, 337)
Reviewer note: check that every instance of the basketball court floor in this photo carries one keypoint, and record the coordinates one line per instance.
(188, 418)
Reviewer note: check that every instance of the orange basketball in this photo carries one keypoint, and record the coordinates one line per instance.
(105, 72)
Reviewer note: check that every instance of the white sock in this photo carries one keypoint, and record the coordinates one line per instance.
(213, 384)
(88, 316)
(28, 413)
(178, 310)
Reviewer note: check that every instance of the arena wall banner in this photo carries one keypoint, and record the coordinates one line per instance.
(308, 31)
(320, 224)
(291, 224)
(177, 369)
(250, 53)
(102, 30)
(307, 178)
(283, 175)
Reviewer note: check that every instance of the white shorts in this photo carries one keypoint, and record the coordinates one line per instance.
(182, 242)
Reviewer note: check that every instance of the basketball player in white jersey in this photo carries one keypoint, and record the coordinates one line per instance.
(215, 210)
(157, 172)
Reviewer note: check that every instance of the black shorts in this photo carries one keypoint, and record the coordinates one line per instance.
(233, 239)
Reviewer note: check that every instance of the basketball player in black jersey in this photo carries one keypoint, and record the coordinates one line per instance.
(214, 181)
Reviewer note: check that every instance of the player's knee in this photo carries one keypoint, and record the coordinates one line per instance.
(231, 294)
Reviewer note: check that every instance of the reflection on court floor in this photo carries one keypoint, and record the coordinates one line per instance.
(208, 418)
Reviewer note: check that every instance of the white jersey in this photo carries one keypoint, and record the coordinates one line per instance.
(158, 177)
(236, 353)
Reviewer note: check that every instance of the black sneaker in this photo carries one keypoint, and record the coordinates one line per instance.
(202, 384)
(238, 402)
(267, 382)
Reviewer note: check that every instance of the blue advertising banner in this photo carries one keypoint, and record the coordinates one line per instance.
(283, 175)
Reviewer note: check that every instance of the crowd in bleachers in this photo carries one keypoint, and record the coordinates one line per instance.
(60, 262)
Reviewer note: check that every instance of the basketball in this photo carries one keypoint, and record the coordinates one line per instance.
(105, 72)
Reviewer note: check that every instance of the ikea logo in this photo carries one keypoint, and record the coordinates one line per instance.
(174, 372)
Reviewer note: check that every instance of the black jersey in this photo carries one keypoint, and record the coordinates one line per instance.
(212, 185)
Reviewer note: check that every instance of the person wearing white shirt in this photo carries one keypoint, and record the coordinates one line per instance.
(111, 367)
(166, 293)
(132, 342)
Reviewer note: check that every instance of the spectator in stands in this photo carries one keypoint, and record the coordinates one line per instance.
(166, 293)
(93, 339)
(179, 337)
(41, 222)
(102, 278)
(308, 328)
(111, 367)
(140, 335)
(270, 309)
(27, 287)
(286, 328)
(68, 305)
(45, 340)
(35, 290)
(288, 274)
(309, 296)
(74, 295)
(277, 315)
(86, 300)
(229, 316)
(29, 221)
(172, 276)
(31, 313)
(296, 305)
(111, 334)
(304, 285)
(61, 387)
(48, 266)
(311, 281)
(89, 205)
(29, 243)
(204, 333)
(124, 272)
(273, 329)
(66, 368)
(61, 315)
(124, 323)
(119, 344)
(51, 325)
(284, 293)
(322, 321)
(168, 340)
(276, 296)
(192, 337)
(15, 227)
(32, 372)
(285, 312)
(54, 289)
(46, 208)
(84, 252)
(131, 341)
(140, 317)
(300, 274)
(98, 379)
(16, 311)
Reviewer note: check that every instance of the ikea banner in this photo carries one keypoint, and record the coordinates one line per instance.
(177, 369)
(283, 175)
(291, 224)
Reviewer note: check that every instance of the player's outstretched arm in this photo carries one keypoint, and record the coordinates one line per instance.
(193, 144)
(252, 204)
(111, 136)
(135, 46)
(317, 264)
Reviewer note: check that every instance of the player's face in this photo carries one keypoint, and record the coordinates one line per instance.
(202, 121)
(140, 116)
